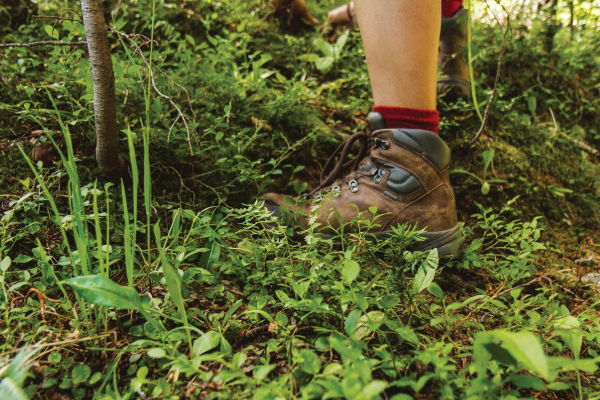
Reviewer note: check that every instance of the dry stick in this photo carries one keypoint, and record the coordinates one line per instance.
(491, 99)
(43, 43)
(583, 146)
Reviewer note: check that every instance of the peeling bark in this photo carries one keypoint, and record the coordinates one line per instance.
(105, 100)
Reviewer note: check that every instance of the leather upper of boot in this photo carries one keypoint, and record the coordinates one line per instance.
(404, 174)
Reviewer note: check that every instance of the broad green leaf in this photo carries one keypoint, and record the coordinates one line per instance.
(51, 31)
(54, 357)
(389, 301)
(426, 271)
(566, 322)
(309, 362)
(206, 342)
(350, 270)
(511, 348)
(528, 382)
(263, 371)
(81, 373)
(22, 258)
(281, 319)
(363, 329)
(352, 321)
(435, 290)
(372, 390)
(156, 353)
(5, 264)
(324, 63)
(209, 258)
(102, 291)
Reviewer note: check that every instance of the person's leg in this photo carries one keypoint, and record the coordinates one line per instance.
(401, 42)
(454, 78)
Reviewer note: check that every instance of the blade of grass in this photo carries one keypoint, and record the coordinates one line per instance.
(127, 239)
(471, 73)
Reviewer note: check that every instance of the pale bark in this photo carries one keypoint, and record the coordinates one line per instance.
(105, 101)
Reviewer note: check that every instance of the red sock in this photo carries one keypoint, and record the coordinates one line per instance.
(449, 7)
(411, 118)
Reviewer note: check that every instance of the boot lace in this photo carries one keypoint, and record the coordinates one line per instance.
(327, 178)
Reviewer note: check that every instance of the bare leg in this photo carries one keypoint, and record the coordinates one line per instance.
(401, 43)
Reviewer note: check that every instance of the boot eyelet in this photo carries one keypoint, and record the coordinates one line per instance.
(336, 191)
(385, 145)
(317, 197)
(379, 175)
(353, 186)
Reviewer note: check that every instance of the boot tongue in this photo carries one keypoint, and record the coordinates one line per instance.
(376, 121)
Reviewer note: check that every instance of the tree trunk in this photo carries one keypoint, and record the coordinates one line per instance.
(105, 99)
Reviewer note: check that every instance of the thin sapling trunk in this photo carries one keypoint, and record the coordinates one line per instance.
(105, 100)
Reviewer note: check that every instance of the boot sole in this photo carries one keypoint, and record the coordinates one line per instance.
(446, 242)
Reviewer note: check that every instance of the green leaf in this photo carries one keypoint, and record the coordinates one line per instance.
(350, 270)
(363, 328)
(54, 357)
(324, 63)
(210, 257)
(156, 353)
(559, 386)
(52, 32)
(435, 290)
(488, 156)
(81, 373)
(102, 291)
(309, 362)
(232, 310)
(372, 390)
(263, 371)
(281, 319)
(22, 258)
(389, 301)
(206, 342)
(426, 272)
(402, 396)
(5, 263)
(352, 321)
(532, 105)
(528, 382)
(511, 348)
(164, 386)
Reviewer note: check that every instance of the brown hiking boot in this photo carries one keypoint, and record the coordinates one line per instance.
(454, 78)
(402, 172)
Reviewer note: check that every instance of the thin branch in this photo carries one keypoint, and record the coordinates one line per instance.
(491, 99)
(56, 17)
(139, 51)
(43, 43)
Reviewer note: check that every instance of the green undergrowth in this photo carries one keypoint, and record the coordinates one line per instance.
(177, 284)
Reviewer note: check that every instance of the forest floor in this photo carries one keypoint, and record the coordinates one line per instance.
(174, 285)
